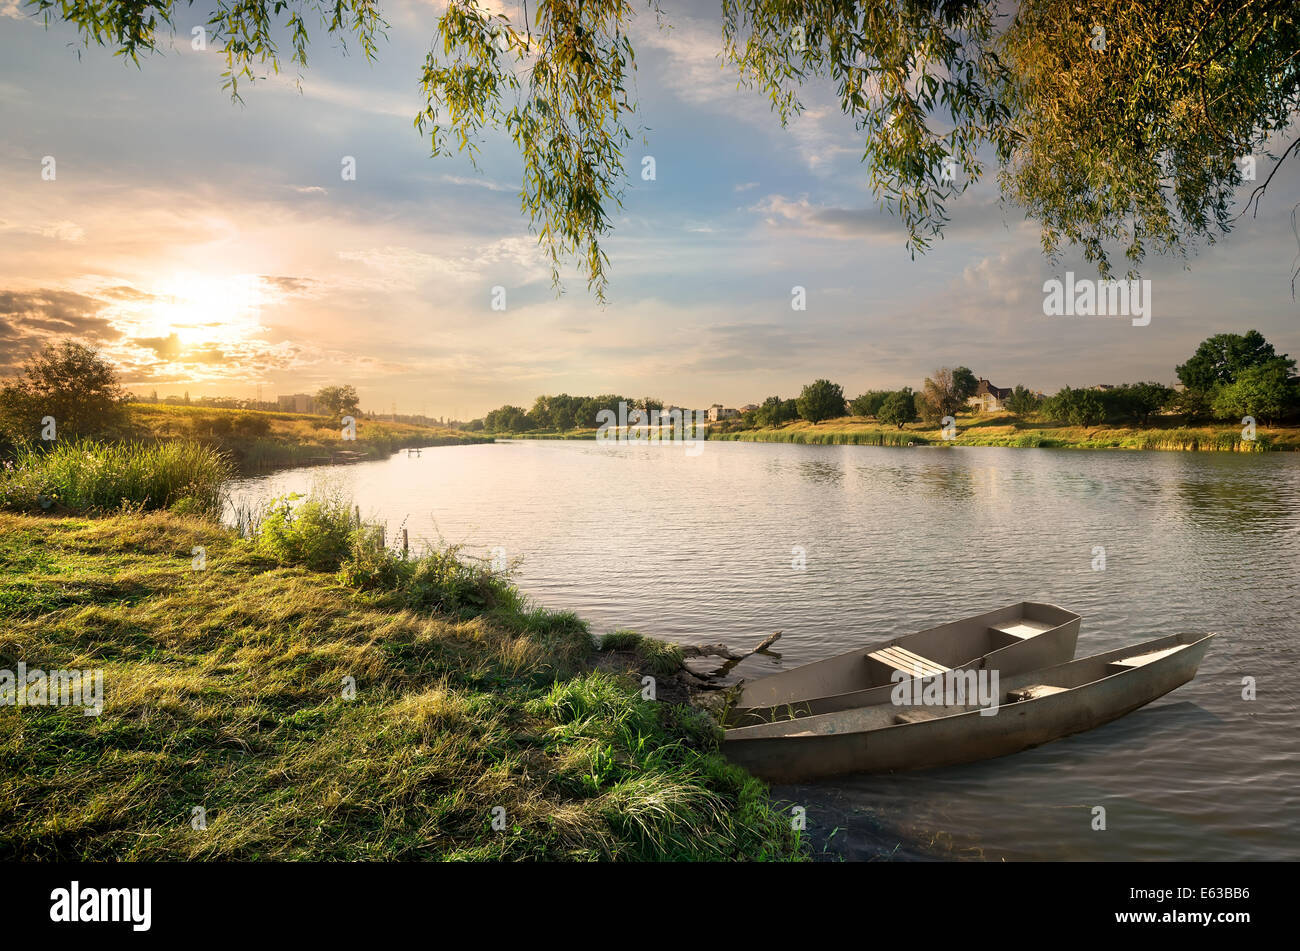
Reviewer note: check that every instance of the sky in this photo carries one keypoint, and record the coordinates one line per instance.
(213, 247)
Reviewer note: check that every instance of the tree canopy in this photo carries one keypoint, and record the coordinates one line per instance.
(1222, 358)
(944, 393)
(899, 408)
(1233, 375)
(820, 400)
(774, 411)
(71, 383)
(1117, 125)
(338, 400)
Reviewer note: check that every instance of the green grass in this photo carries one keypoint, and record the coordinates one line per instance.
(260, 441)
(100, 477)
(661, 658)
(829, 437)
(1006, 429)
(225, 689)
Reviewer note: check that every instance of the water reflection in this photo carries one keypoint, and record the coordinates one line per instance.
(1248, 505)
(822, 472)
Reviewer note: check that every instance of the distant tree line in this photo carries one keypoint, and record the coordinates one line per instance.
(556, 413)
(1229, 377)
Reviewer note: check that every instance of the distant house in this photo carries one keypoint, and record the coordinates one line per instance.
(988, 398)
(749, 407)
(719, 412)
(1103, 387)
(298, 403)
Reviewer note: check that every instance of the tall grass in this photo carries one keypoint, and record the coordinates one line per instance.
(316, 722)
(97, 477)
(260, 441)
(882, 437)
(320, 532)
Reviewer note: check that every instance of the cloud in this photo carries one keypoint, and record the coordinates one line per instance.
(291, 286)
(802, 216)
(125, 292)
(1009, 279)
(167, 348)
(354, 97)
(512, 261)
(63, 230)
(474, 182)
(31, 319)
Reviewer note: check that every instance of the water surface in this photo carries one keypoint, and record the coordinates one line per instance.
(839, 545)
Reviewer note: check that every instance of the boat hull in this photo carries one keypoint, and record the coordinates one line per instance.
(834, 683)
(834, 747)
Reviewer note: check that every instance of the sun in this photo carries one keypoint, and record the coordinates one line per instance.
(203, 311)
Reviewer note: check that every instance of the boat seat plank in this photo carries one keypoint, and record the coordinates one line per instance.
(1140, 660)
(900, 658)
(1023, 628)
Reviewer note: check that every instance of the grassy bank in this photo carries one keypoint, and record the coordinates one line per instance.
(544, 434)
(258, 441)
(481, 727)
(1011, 431)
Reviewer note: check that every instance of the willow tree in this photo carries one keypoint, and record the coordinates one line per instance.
(1118, 125)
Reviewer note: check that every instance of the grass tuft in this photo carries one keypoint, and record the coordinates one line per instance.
(96, 477)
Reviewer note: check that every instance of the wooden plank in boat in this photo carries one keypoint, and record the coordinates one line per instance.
(1023, 628)
(900, 658)
(1139, 660)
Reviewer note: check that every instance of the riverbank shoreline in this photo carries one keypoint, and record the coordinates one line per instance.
(257, 708)
(259, 442)
(999, 431)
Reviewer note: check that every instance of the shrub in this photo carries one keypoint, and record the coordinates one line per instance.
(252, 424)
(441, 580)
(316, 533)
(438, 580)
(70, 383)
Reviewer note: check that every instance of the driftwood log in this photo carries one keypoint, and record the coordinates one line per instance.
(730, 657)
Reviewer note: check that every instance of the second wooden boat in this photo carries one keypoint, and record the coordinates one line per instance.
(1011, 640)
(1031, 708)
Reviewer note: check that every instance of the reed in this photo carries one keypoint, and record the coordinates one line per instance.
(97, 477)
(868, 437)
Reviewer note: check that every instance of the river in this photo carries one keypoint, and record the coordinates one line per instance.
(836, 546)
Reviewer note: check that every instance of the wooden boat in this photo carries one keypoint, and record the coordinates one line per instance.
(1034, 707)
(1011, 640)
